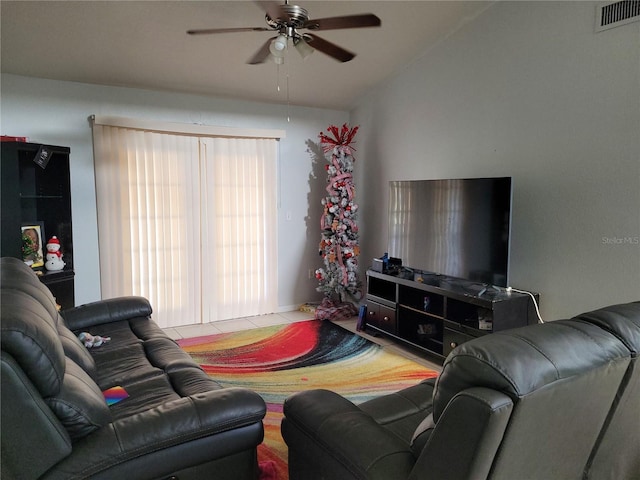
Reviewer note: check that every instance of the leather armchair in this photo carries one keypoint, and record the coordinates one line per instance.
(175, 423)
(617, 454)
(557, 400)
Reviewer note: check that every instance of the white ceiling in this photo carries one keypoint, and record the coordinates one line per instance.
(144, 44)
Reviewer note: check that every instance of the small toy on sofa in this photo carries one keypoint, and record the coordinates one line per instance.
(91, 341)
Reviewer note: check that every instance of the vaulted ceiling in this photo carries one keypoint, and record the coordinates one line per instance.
(144, 44)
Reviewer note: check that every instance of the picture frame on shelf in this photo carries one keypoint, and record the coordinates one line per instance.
(32, 244)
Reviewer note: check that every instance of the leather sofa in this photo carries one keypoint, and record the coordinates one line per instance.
(176, 422)
(554, 401)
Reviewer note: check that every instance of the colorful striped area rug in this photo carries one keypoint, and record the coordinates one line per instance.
(281, 360)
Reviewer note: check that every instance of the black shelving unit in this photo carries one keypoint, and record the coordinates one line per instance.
(436, 313)
(33, 195)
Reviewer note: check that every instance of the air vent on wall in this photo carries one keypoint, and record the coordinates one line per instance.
(615, 14)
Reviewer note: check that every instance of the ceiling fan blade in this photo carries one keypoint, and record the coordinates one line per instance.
(261, 55)
(349, 21)
(328, 48)
(273, 9)
(208, 31)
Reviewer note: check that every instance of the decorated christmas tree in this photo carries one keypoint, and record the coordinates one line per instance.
(339, 247)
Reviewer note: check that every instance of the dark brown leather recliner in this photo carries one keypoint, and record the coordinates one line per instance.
(175, 423)
(558, 400)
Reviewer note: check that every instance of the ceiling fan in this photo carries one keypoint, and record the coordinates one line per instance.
(286, 20)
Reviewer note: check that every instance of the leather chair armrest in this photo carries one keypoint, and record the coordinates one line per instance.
(474, 423)
(110, 310)
(410, 401)
(330, 437)
(125, 443)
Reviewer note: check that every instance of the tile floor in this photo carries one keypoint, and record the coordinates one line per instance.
(237, 324)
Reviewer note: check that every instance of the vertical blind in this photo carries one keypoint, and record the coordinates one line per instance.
(187, 221)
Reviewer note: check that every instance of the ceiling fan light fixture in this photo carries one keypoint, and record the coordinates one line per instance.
(280, 43)
(303, 48)
(274, 51)
(278, 47)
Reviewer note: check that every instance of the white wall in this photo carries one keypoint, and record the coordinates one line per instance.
(527, 89)
(56, 113)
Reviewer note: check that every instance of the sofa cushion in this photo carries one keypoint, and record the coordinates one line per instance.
(122, 366)
(190, 381)
(75, 350)
(138, 350)
(504, 360)
(622, 320)
(79, 405)
(14, 274)
(30, 336)
(143, 395)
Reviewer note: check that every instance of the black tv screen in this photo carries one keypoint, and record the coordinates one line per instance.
(457, 227)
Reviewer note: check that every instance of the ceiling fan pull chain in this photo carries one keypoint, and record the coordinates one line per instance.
(287, 63)
(288, 105)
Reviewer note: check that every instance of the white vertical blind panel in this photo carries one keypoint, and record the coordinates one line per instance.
(188, 222)
(148, 220)
(239, 216)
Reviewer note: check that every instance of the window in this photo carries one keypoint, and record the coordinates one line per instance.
(188, 221)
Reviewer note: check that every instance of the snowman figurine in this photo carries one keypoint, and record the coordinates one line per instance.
(54, 255)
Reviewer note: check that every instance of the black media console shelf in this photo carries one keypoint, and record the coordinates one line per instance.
(436, 313)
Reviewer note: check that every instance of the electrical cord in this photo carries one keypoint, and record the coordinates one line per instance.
(535, 303)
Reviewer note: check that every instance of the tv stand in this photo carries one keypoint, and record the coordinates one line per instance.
(436, 313)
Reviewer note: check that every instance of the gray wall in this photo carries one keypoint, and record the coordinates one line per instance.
(56, 113)
(527, 89)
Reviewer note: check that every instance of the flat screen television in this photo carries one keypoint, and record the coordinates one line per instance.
(456, 227)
